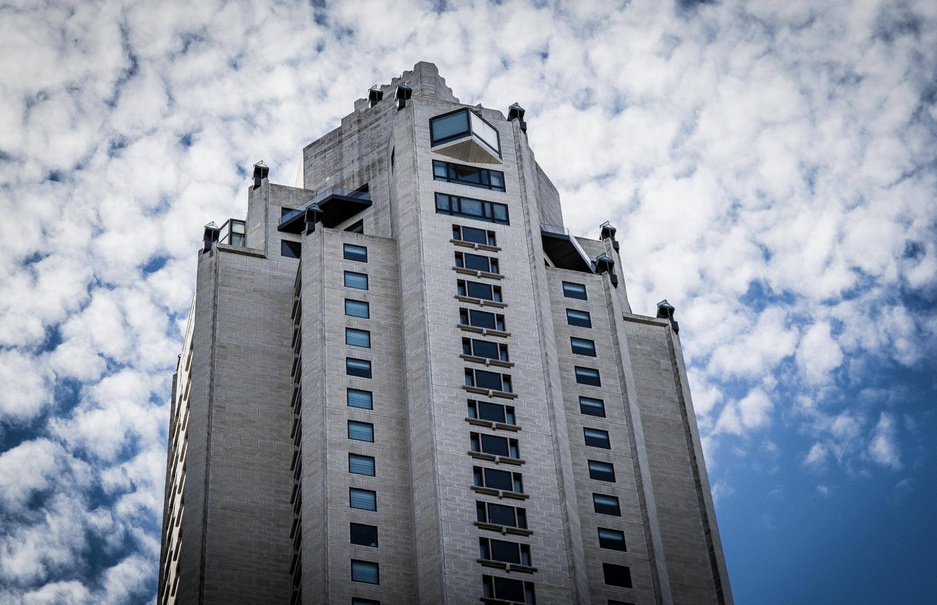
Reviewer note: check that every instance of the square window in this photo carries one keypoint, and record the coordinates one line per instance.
(601, 471)
(360, 399)
(363, 535)
(597, 438)
(606, 505)
(358, 281)
(365, 571)
(357, 308)
(617, 575)
(353, 252)
(583, 346)
(290, 249)
(573, 290)
(360, 431)
(363, 499)
(357, 338)
(578, 318)
(612, 539)
(358, 367)
(592, 407)
(589, 376)
(361, 465)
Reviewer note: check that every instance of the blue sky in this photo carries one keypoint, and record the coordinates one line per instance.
(771, 166)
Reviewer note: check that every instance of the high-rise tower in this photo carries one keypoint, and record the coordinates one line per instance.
(406, 382)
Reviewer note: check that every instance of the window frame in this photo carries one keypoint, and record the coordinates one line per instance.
(370, 565)
(492, 546)
(582, 346)
(458, 234)
(356, 303)
(470, 347)
(491, 262)
(291, 249)
(361, 428)
(447, 172)
(362, 528)
(482, 473)
(365, 335)
(361, 459)
(369, 494)
(606, 506)
(588, 376)
(571, 290)
(581, 322)
(494, 445)
(362, 278)
(490, 589)
(468, 315)
(483, 514)
(592, 408)
(348, 398)
(601, 471)
(470, 289)
(620, 575)
(614, 539)
(472, 376)
(599, 438)
(489, 212)
(354, 252)
(360, 372)
(475, 408)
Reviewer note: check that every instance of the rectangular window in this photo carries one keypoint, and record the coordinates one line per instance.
(572, 290)
(361, 465)
(506, 589)
(481, 319)
(448, 127)
(363, 535)
(290, 249)
(578, 318)
(358, 281)
(360, 601)
(494, 479)
(597, 438)
(492, 381)
(476, 262)
(467, 207)
(496, 446)
(612, 539)
(493, 412)
(357, 308)
(473, 235)
(617, 575)
(588, 376)
(365, 571)
(601, 471)
(360, 399)
(582, 346)
(468, 175)
(363, 499)
(358, 367)
(353, 252)
(357, 338)
(499, 514)
(504, 551)
(475, 289)
(592, 407)
(606, 505)
(361, 431)
(484, 348)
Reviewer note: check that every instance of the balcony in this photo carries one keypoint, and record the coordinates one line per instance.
(466, 136)
(333, 207)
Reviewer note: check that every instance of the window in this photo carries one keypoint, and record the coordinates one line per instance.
(467, 207)
(606, 505)
(476, 262)
(571, 290)
(357, 308)
(360, 399)
(499, 514)
(484, 348)
(358, 367)
(361, 465)
(353, 252)
(578, 318)
(356, 228)
(616, 602)
(504, 551)
(494, 412)
(361, 431)
(588, 376)
(601, 471)
(357, 338)
(365, 571)
(506, 589)
(612, 539)
(496, 446)
(473, 235)
(356, 280)
(468, 175)
(494, 479)
(363, 499)
(583, 346)
(360, 601)
(290, 249)
(592, 407)
(364, 535)
(481, 319)
(492, 381)
(597, 438)
(617, 575)
(474, 289)
(463, 123)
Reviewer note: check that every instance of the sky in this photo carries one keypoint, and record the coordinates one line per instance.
(771, 167)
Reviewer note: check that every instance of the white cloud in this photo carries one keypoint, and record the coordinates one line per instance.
(818, 354)
(884, 448)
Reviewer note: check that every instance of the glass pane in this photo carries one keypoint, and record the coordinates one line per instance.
(612, 539)
(505, 551)
(364, 571)
(501, 515)
(449, 126)
(588, 376)
(483, 348)
(363, 499)
(477, 290)
(578, 318)
(596, 438)
(360, 399)
(358, 367)
(617, 575)
(487, 380)
(352, 252)
(364, 535)
(500, 213)
(360, 431)
(482, 319)
(470, 207)
(477, 236)
(592, 407)
(606, 505)
(601, 471)
(360, 465)
(486, 133)
(290, 249)
(490, 411)
(357, 338)
(498, 480)
(476, 262)
(495, 445)
(357, 308)
(509, 590)
(356, 280)
(571, 290)
(582, 346)
(443, 204)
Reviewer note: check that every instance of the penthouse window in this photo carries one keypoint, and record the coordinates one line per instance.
(494, 412)
(361, 465)
(504, 551)
(365, 571)
(481, 319)
(592, 407)
(573, 290)
(474, 289)
(606, 505)
(473, 235)
(358, 281)
(589, 376)
(578, 318)
(601, 471)
(465, 124)
(499, 514)
(500, 480)
(353, 252)
(612, 539)
(506, 589)
(484, 348)
(488, 380)
(616, 575)
(496, 446)
(476, 262)
(468, 175)
(583, 346)
(358, 367)
(467, 207)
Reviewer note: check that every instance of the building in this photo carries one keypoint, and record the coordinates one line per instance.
(406, 382)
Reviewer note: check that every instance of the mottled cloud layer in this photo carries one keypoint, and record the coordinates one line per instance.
(771, 166)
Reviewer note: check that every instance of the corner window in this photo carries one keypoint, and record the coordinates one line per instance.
(495, 479)
(606, 505)
(358, 281)
(362, 499)
(617, 575)
(578, 318)
(492, 381)
(493, 412)
(601, 471)
(357, 308)
(353, 252)
(476, 262)
(357, 398)
(596, 438)
(357, 338)
(466, 207)
(468, 175)
(504, 551)
(358, 367)
(612, 539)
(589, 376)
(290, 249)
(483, 348)
(592, 407)
(463, 123)
(473, 235)
(499, 514)
(506, 589)
(361, 465)
(360, 431)
(363, 535)
(496, 446)
(365, 571)
(583, 346)
(572, 290)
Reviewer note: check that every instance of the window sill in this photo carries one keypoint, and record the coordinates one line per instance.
(492, 424)
(499, 493)
(496, 459)
(475, 246)
(482, 302)
(487, 361)
(489, 393)
(503, 529)
(483, 331)
(476, 273)
(508, 567)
